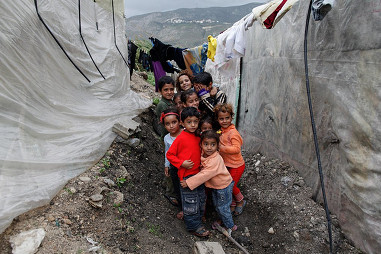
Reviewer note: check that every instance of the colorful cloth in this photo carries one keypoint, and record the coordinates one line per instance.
(158, 72)
(195, 58)
(212, 45)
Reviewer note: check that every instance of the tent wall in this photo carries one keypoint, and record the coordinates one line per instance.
(344, 69)
(54, 123)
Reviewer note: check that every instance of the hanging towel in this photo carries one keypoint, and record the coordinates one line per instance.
(320, 8)
(212, 45)
(269, 14)
(195, 58)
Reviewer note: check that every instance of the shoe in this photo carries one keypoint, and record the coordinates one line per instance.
(172, 200)
(239, 209)
(230, 230)
(201, 232)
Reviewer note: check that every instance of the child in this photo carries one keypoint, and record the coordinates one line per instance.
(171, 121)
(190, 99)
(230, 150)
(215, 176)
(178, 103)
(166, 89)
(184, 81)
(185, 155)
(209, 95)
(206, 124)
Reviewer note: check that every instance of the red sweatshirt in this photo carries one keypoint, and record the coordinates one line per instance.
(185, 147)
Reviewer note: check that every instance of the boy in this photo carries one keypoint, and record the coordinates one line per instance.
(210, 96)
(185, 154)
(167, 90)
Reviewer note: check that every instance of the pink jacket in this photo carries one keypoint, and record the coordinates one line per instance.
(213, 173)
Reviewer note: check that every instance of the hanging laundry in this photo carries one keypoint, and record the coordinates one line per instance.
(269, 14)
(158, 72)
(212, 45)
(145, 60)
(132, 48)
(164, 52)
(320, 8)
(195, 58)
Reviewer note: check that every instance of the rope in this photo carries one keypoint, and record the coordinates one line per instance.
(59, 44)
(80, 33)
(113, 21)
(314, 130)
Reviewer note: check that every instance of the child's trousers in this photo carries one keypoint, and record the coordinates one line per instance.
(222, 199)
(236, 174)
(193, 206)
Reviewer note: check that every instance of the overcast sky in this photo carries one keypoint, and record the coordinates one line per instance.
(137, 7)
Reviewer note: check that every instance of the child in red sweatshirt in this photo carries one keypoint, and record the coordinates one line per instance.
(185, 154)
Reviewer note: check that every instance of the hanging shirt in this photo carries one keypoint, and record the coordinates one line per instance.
(158, 72)
(195, 58)
(320, 8)
(212, 45)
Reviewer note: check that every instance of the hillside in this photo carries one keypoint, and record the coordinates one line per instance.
(185, 27)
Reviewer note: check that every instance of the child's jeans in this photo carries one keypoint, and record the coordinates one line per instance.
(193, 206)
(222, 199)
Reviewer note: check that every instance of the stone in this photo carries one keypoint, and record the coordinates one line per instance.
(27, 242)
(96, 197)
(109, 182)
(207, 248)
(296, 236)
(51, 218)
(133, 142)
(67, 221)
(271, 231)
(119, 197)
(72, 190)
(85, 179)
(285, 180)
(126, 128)
(257, 163)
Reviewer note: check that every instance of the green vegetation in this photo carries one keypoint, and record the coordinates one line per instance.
(120, 181)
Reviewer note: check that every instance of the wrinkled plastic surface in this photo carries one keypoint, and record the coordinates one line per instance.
(54, 124)
(344, 70)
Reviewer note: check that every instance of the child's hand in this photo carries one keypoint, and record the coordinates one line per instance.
(197, 87)
(183, 183)
(213, 91)
(188, 164)
(166, 171)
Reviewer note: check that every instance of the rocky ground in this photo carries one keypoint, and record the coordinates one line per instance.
(118, 207)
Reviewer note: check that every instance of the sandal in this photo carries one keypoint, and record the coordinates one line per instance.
(172, 200)
(180, 215)
(239, 209)
(201, 232)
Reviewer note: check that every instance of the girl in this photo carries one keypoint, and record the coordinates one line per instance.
(178, 103)
(206, 124)
(215, 176)
(171, 121)
(184, 81)
(230, 150)
(190, 99)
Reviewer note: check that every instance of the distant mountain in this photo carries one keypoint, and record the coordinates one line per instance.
(186, 27)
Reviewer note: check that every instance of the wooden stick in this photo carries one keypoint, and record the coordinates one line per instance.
(223, 231)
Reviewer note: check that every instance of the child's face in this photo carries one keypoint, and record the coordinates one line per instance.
(171, 124)
(206, 127)
(209, 146)
(190, 124)
(185, 83)
(168, 91)
(178, 103)
(224, 119)
(192, 101)
(202, 86)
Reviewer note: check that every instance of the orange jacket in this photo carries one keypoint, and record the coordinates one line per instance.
(230, 147)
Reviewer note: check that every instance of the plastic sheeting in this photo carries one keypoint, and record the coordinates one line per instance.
(54, 123)
(344, 68)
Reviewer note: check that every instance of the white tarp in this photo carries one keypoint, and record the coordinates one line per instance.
(55, 124)
(344, 69)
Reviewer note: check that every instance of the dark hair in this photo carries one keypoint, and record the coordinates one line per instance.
(183, 73)
(165, 80)
(186, 94)
(210, 134)
(203, 78)
(170, 110)
(188, 112)
(206, 119)
(177, 95)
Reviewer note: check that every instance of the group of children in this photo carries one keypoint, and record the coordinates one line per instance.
(203, 149)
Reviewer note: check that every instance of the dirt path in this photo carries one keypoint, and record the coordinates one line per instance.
(145, 222)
